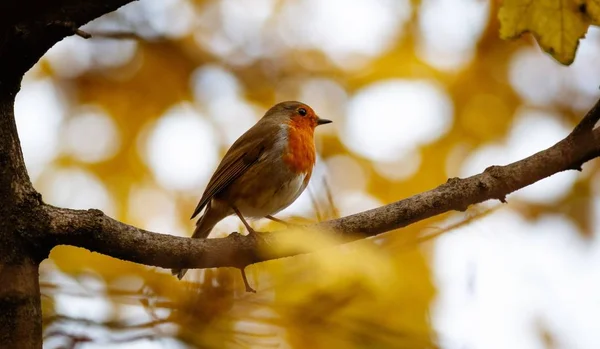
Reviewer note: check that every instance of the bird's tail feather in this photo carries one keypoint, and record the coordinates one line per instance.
(203, 228)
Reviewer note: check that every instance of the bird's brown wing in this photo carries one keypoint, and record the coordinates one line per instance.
(239, 158)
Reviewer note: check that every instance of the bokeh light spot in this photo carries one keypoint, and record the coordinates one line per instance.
(74, 56)
(235, 31)
(388, 120)
(400, 169)
(570, 86)
(527, 68)
(364, 28)
(212, 82)
(585, 66)
(482, 286)
(39, 111)
(449, 31)
(181, 150)
(153, 209)
(91, 135)
(160, 18)
(76, 188)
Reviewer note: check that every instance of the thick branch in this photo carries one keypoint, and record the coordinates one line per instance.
(14, 181)
(20, 308)
(97, 232)
(28, 28)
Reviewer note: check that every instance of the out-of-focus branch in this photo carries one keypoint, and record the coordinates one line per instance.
(113, 324)
(122, 35)
(95, 231)
(115, 35)
(74, 340)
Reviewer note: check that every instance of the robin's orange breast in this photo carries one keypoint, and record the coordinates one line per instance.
(300, 153)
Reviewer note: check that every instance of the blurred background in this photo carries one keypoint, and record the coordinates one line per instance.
(135, 120)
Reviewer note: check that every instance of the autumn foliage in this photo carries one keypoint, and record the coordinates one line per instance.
(134, 120)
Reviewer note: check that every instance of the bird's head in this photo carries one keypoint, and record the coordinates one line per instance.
(295, 113)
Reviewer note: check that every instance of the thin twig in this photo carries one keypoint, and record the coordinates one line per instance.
(83, 34)
(315, 204)
(121, 35)
(439, 231)
(589, 120)
(334, 211)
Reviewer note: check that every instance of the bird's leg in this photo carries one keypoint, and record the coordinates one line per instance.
(248, 227)
(250, 232)
(246, 283)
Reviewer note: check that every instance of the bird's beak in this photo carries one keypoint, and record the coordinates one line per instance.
(323, 121)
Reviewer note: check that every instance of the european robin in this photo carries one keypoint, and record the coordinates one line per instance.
(263, 172)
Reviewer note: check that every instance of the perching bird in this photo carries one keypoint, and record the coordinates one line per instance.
(263, 172)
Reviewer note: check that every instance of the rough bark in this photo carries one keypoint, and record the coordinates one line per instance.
(29, 229)
(20, 312)
(28, 28)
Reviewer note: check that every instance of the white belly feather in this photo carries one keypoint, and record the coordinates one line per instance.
(274, 200)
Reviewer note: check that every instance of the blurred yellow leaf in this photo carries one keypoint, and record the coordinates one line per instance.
(557, 25)
(377, 293)
(353, 291)
(592, 8)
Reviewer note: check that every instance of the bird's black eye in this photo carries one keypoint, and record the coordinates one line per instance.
(302, 111)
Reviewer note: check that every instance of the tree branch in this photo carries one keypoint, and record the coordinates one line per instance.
(95, 231)
(28, 28)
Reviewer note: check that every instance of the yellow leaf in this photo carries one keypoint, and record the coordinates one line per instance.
(592, 8)
(557, 25)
